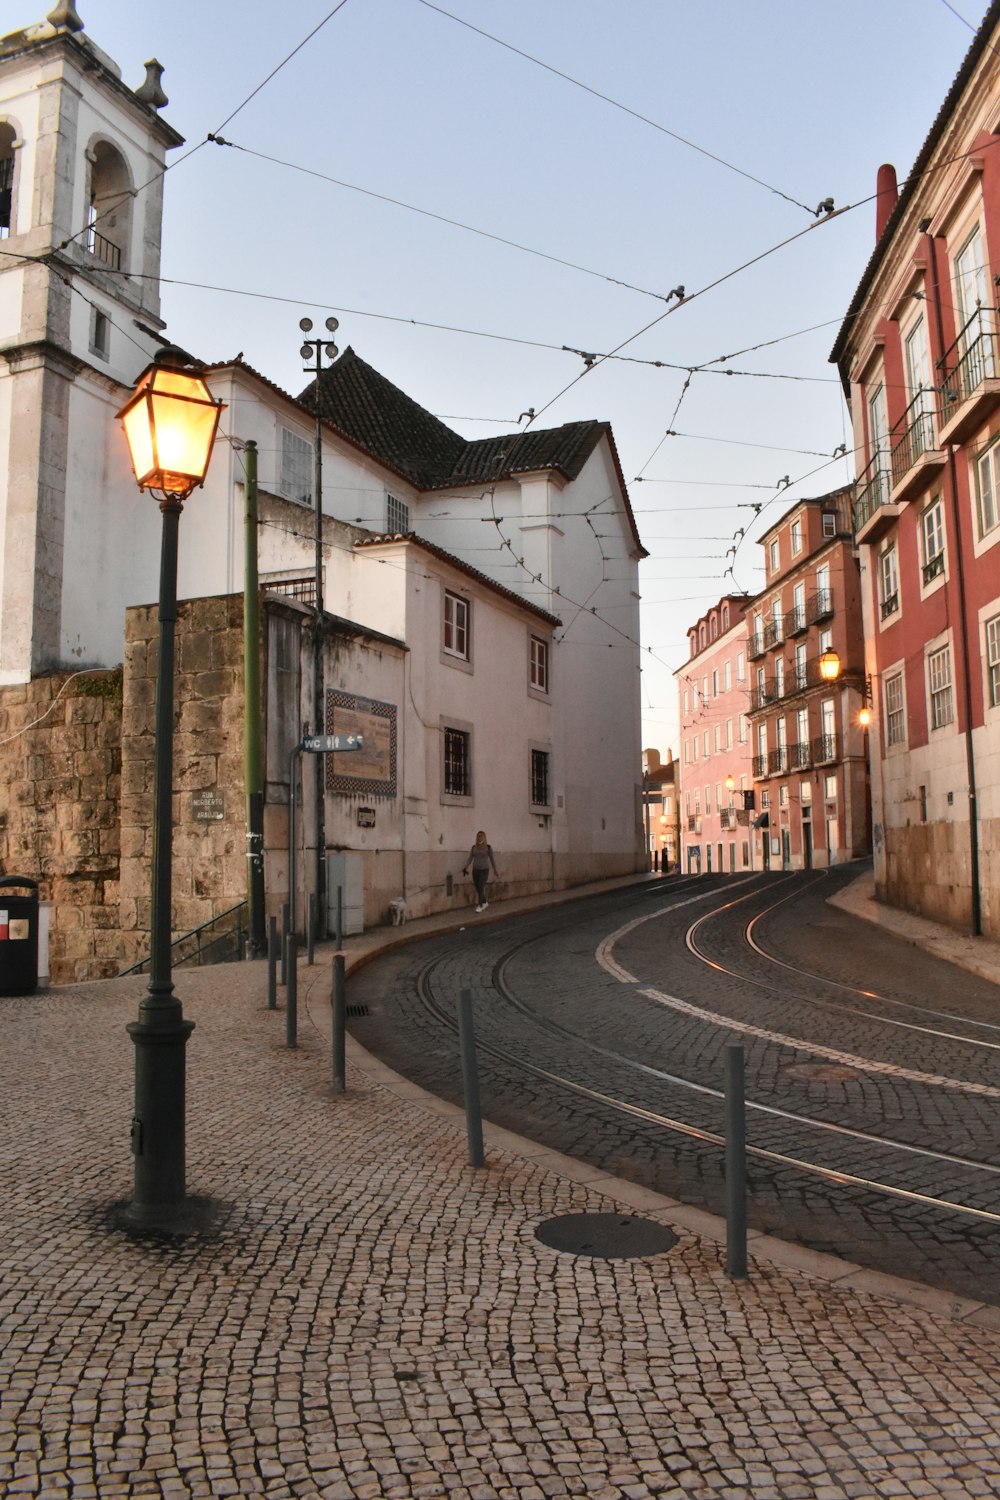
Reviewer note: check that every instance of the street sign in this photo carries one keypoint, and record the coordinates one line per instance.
(323, 744)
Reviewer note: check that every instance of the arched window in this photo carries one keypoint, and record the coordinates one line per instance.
(714, 626)
(693, 641)
(725, 617)
(702, 636)
(109, 206)
(8, 136)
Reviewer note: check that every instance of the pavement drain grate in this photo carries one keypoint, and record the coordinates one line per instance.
(356, 1010)
(605, 1236)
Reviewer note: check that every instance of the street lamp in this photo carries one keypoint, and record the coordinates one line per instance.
(829, 666)
(314, 349)
(170, 424)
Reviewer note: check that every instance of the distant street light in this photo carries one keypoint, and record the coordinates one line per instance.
(170, 424)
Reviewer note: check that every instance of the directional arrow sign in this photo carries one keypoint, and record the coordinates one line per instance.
(323, 743)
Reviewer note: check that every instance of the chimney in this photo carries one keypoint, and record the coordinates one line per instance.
(886, 198)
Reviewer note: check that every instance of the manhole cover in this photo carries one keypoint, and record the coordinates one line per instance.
(608, 1236)
(820, 1072)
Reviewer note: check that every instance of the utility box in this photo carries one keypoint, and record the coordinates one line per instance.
(345, 872)
(18, 935)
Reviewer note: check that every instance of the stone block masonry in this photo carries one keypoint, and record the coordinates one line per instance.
(60, 783)
(209, 845)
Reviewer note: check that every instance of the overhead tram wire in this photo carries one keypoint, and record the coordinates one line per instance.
(428, 213)
(616, 104)
(275, 71)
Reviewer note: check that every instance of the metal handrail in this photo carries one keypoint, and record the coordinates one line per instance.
(201, 948)
(917, 427)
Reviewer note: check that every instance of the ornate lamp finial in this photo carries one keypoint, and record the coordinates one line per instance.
(64, 17)
(150, 91)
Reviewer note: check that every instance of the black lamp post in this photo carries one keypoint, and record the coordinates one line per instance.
(170, 424)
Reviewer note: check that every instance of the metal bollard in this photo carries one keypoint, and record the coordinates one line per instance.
(292, 993)
(470, 1080)
(310, 927)
(736, 1164)
(272, 963)
(340, 917)
(338, 1000)
(284, 943)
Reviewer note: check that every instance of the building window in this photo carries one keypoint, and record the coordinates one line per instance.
(713, 627)
(708, 800)
(540, 778)
(932, 540)
(706, 750)
(296, 467)
(741, 670)
(796, 538)
(993, 659)
(718, 738)
(109, 207)
(457, 765)
(397, 516)
(988, 470)
(829, 523)
(100, 332)
(783, 795)
(830, 788)
(729, 734)
(687, 702)
(538, 668)
(727, 676)
(7, 138)
(725, 617)
(939, 678)
(743, 729)
(773, 556)
(895, 719)
(456, 625)
(888, 582)
(715, 684)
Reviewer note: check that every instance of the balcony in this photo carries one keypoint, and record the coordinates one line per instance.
(795, 620)
(970, 383)
(800, 755)
(889, 605)
(915, 460)
(727, 819)
(777, 761)
(755, 647)
(873, 509)
(762, 693)
(694, 823)
(820, 606)
(759, 767)
(933, 567)
(774, 632)
(104, 250)
(824, 749)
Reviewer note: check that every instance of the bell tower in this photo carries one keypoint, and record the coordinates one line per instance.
(82, 158)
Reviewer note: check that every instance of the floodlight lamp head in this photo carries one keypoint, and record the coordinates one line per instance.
(332, 324)
(305, 351)
(306, 324)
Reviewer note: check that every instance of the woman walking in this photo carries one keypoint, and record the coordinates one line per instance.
(481, 858)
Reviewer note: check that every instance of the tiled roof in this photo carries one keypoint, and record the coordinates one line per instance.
(377, 415)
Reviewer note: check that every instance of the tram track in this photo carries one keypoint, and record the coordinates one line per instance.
(980, 1176)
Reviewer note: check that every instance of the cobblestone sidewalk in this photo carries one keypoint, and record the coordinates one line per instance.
(370, 1317)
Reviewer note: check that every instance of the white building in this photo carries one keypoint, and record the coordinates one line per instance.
(505, 571)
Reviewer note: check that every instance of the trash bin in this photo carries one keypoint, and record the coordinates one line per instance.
(18, 935)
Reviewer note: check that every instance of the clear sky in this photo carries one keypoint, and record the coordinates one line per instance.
(788, 102)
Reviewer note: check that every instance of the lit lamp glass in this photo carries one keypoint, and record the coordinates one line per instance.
(864, 717)
(170, 424)
(829, 666)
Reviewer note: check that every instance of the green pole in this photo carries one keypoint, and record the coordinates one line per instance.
(252, 755)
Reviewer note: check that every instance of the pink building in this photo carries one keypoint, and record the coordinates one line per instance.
(715, 772)
(809, 747)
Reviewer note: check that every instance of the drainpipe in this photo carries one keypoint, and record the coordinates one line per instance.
(970, 757)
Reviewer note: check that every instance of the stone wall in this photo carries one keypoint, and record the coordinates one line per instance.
(60, 762)
(209, 845)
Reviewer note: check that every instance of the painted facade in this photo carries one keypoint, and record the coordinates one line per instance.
(809, 749)
(919, 359)
(713, 688)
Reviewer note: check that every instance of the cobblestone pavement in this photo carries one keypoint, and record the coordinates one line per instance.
(370, 1317)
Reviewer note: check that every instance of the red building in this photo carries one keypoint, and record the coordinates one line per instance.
(715, 751)
(919, 360)
(809, 749)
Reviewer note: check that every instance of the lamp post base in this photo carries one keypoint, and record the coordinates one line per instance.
(158, 1122)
